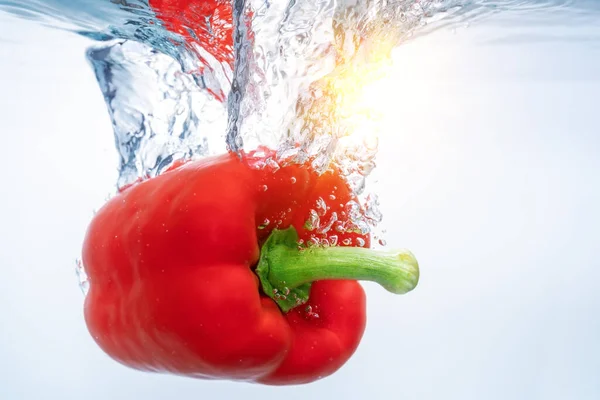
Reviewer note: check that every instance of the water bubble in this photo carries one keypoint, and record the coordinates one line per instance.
(82, 278)
(264, 188)
(310, 313)
(366, 169)
(286, 291)
(334, 240)
(362, 227)
(360, 242)
(313, 221)
(357, 183)
(293, 179)
(382, 242)
(272, 164)
(372, 208)
(347, 241)
(321, 207)
(331, 197)
(327, 227)
(264, 224)
(353, 209)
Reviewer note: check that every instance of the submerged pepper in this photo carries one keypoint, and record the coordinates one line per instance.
(208, 271)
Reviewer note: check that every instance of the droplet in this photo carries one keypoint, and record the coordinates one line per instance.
(327, 227)
(286, 291)
(265, 223)
(334, 240)
(272, 164)
(382, 242)
(293, 179)
(331, 197)
(313, 221)
(265, 188)
(321, 207)
(360, 242)
(82, 278)
(347, 241)
(310, 313)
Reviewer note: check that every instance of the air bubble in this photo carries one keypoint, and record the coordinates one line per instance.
(360, 242)
(327, 227)
(293, 179)
(382, 242)
(310, 314)
(272, 164)
(82, 278)
(265, 188)
(265, 223)
(321, 207)
(313, 221)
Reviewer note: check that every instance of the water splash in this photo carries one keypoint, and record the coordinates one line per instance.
(159, 113)
(300, 72)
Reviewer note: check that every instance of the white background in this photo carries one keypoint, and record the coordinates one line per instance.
(489, 174)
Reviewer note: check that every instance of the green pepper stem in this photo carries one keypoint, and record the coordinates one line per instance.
(396, 271)
(286, 271)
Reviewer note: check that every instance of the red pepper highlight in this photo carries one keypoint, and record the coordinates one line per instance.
(201, 272)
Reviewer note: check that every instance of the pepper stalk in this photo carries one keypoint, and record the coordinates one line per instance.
(286, 272)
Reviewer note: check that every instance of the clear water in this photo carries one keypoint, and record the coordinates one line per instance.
(300, 84)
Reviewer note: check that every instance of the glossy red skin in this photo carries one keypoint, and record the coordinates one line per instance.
(173, 289)
(181, 16)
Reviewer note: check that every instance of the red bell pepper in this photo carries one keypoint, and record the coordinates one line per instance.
(206, 271)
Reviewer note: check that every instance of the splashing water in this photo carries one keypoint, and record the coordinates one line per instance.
(301, 77)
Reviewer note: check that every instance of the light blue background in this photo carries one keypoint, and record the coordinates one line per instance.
(490, 176)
